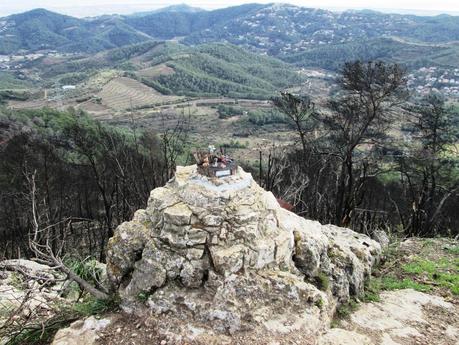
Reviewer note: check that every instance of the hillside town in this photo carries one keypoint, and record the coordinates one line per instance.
(428, 79)
(20, 60)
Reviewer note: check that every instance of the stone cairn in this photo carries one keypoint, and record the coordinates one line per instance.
(220, 257)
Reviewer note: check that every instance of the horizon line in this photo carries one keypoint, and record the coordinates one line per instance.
(139, 8)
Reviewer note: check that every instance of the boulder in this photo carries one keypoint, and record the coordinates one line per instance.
(381, 237)
(223, 255)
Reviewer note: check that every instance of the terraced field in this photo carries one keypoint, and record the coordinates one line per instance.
(123, 93)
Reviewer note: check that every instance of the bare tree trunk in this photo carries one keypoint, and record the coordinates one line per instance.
(44, 252)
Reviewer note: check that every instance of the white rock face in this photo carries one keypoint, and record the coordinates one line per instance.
(225, 255)
(17, 290)
(402, 317)
(25, 299)
(338, 336)
(81, 332)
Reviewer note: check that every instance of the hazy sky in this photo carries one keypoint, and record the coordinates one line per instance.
(97, 7)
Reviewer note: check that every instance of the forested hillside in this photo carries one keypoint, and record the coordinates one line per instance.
(219, 69)
(171, 68)
(279, 30)
(44, 30)
(168, 24)
(411, 55)
(283, 27)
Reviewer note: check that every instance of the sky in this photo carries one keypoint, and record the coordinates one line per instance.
(82, 8)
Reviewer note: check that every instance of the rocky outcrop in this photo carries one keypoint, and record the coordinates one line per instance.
(81, 332)
(27, 286)
(402, 317)
(223, 255)
(30, 293)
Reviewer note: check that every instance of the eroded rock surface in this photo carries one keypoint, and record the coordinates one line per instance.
(224, 256)
(27, 286)
(402, 317)
(81, 332)
(29, 293)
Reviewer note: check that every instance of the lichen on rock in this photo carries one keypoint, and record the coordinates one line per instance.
(226, 256)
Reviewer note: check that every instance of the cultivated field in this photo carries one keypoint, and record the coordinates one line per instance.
(156, 71)
(124, 93)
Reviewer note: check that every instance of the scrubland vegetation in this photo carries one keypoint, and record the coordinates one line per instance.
(345, 168)
(348, 169)
(86, 173)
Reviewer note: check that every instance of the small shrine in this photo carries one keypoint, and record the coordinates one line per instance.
(215, 164)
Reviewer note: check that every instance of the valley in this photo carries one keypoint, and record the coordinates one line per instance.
(119, 67)
(167, 176)
(214, 73)
(155, 84)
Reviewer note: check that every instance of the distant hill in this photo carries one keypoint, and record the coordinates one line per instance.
(184, 8)
(299, 35)
(41, 29)
(284, 29)
(173, 69)
(170, 24)
(222, 69)
(412, 55)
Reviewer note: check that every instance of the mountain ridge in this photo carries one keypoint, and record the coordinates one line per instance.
(281, 30)
(173, 8)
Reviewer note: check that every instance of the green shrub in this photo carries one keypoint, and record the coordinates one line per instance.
(319, 303)
(93, 306)
(143, 296)
(453, 250)
(265, 117)
(345, 310)
(87, 269)
(227, 111)
(372, 290)
(322, 282)
(73, 78)
(234, 144)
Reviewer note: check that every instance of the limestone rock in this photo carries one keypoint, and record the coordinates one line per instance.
(81, 332)
(381, 237)
(225, 255)
(228, 260)
(192, 273)
(350, 256)
(402, 317)
(178, 214)
(30, 267)
(124, 249)
(15, 280)
(29, 293)
(337, 336)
